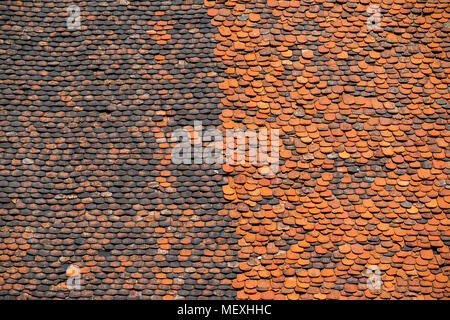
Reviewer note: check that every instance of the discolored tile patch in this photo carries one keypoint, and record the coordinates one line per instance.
(86, 177)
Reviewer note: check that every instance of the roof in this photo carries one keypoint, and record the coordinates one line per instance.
(88, 190)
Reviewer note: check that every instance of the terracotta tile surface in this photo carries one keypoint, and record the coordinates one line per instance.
(87, 179)
(364, 153)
